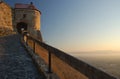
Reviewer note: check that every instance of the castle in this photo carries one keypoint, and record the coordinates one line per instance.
(22, 16)
(47, 58)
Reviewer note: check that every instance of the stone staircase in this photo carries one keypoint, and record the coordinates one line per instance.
(15, 63)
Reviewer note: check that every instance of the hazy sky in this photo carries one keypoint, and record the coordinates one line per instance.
(79, 25)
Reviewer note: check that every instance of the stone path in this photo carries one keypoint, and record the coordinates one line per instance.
(15, 63)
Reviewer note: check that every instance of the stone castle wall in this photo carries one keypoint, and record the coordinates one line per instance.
(31, 18)
(37, 20)
(9, 19)
(19, 17)
(5, 17)
(63, 64)
(69, 67)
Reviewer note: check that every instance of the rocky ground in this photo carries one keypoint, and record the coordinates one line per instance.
(15, 63)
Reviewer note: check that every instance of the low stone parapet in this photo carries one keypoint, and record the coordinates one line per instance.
(63, 65)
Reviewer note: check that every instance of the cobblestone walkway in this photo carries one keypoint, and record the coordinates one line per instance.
(15, 63)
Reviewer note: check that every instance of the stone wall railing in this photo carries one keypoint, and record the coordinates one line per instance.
(64, 65)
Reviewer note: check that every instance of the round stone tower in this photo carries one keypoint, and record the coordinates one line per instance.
(27, 17)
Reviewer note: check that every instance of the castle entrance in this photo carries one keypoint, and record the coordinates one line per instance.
(20, 26)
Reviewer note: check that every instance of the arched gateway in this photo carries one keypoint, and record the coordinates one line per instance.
(20, 26)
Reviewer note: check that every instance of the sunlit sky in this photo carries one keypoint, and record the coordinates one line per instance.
(79, 25)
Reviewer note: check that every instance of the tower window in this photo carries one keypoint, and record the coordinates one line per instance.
(24, 15)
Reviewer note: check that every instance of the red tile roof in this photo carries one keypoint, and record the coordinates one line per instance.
(26, 6)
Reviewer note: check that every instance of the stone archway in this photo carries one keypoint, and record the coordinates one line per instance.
(20, 26)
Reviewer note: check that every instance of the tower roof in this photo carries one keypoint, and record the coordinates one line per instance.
(26, 6)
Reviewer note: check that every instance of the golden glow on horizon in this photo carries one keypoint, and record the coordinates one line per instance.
(109, 45)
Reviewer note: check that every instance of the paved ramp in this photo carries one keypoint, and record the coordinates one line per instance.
(15, 63)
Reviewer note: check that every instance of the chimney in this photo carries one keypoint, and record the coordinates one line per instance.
(31, 3)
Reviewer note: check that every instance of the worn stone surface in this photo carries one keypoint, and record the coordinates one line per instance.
(5, 16)
(15, 63)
